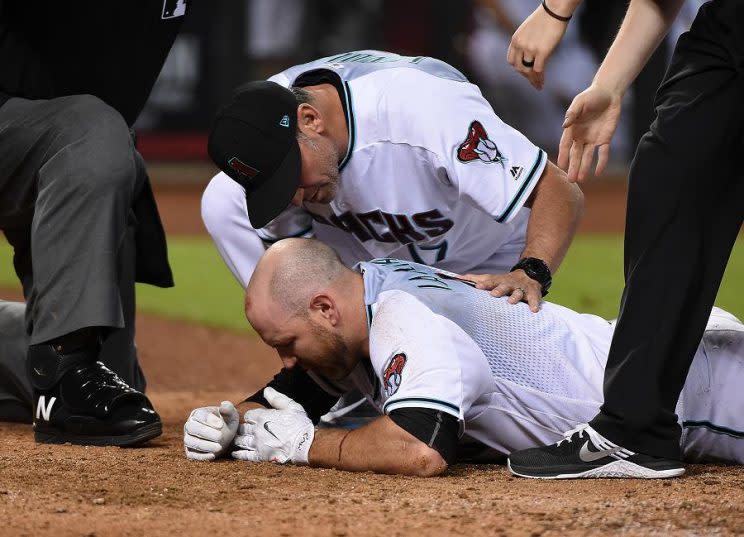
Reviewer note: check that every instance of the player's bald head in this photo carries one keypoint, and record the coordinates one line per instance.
(293, 270)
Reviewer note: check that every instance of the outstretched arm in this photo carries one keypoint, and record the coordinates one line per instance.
(593, 115)
(380, 446)
(285, 434)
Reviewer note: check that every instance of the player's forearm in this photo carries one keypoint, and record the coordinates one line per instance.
(378, 447)
(557, 206)
(645, 25)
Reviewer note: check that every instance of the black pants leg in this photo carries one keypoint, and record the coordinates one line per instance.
(685, 207)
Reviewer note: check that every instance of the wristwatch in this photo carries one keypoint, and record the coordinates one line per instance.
(536, 269)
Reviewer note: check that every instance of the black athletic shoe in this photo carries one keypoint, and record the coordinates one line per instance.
(91, 405)
(584, 453)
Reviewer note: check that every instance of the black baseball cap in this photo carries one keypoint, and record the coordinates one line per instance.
(254, 141)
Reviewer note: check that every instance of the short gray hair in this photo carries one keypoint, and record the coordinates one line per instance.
(310, 266)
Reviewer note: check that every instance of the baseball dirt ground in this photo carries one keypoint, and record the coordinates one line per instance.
(155, 491)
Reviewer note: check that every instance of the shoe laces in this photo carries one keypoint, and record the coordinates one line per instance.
(599, 441)
(99, 382)
(568, 435)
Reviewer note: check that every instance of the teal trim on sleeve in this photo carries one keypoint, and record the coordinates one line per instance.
(351, 126)
(448, 407)
(531, 178)
(713, 427)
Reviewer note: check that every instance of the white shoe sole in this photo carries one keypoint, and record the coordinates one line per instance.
(613, 470)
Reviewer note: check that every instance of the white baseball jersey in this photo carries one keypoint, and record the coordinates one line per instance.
(515, 379)
(431, 174)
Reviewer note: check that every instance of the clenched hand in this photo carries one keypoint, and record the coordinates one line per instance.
(209, 431)
(280, 434)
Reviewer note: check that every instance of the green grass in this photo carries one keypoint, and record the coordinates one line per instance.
(590, 281)
(205, 290)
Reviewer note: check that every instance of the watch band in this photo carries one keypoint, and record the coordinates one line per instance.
(536, 269)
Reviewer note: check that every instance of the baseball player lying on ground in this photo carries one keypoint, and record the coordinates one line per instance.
(446, 364)
(382, 155)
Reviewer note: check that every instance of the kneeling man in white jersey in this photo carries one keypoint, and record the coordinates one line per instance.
(381, 155)
(447, 365)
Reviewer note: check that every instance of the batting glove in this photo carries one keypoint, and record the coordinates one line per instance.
(281, 434)
(209, 431)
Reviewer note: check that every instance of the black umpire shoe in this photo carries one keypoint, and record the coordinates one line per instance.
(79, 400)
(584, 453)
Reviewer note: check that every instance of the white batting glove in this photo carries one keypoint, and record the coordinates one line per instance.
(209, 431)
(282, 434)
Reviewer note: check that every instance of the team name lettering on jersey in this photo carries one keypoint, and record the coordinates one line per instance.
(386, 227)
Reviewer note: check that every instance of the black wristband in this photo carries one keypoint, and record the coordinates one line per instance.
(554, 14)
(536, 269)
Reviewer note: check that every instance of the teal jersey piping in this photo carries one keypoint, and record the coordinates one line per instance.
(713, 427)
(350, 125)
(455, 408)
(531, 177)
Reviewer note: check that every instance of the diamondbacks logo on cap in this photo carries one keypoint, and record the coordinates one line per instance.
(285, 121)
(477, 146)
(393, 375)
(242, 168)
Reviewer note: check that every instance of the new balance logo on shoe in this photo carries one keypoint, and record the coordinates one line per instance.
(42, 409)
(590, 456)
(516, 172)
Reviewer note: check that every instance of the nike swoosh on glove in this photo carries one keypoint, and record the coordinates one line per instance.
(281, 434)
(209, 431)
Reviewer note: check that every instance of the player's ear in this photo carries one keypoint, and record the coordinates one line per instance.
(324, 307)
(309, 119)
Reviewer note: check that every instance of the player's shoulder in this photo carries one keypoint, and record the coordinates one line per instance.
(416, 108)
(398, 314)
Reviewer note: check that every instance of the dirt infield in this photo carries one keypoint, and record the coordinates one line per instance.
(155, 491)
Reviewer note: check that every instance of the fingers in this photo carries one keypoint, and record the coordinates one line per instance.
(199, 430)
(245, 441)
(564, 147)
(198, 455)
(246, 455)
(531, 293)
(511, 54)
(539, 71)
(195, 443)
(574, 161)
(533, 299)
(280, 401)
(574, 111)
(208, 416)
(604, 157)
(229, 414)
(587, 156)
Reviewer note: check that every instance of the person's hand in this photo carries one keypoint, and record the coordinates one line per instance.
(591, 121)
(534, 41)
(209, 431)
(516, 285)
(281, 434)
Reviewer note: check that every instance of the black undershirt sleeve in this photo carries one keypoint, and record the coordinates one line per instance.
(298, 385)
(436, 429)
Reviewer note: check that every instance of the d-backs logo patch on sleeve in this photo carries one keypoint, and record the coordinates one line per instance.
(393, 375)
(478, 147)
